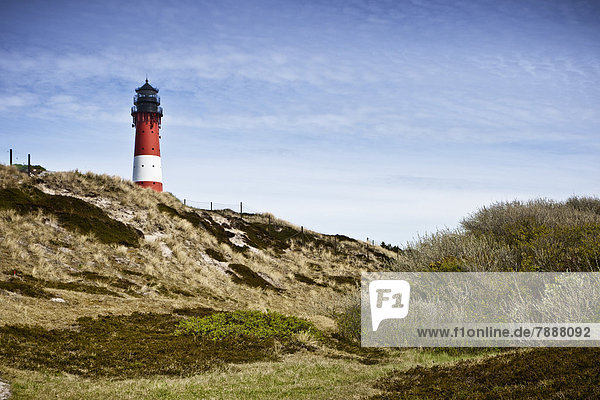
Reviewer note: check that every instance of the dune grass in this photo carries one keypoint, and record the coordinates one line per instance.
(72, 213)
(184, 252)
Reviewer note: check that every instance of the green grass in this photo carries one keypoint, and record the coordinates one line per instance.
(309, 379)
(303, 375)
(245, 324)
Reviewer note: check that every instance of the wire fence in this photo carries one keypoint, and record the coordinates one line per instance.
(242, 208)
(22, 160)
(214, 206)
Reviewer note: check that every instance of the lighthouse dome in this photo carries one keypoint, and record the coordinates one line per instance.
(146, 88)
(146, 100)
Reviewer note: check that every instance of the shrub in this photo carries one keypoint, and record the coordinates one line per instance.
(390, 247)
(585, 204)
(244, 324)
(506, 221)
(456, 251)
(539, 235)
(348, 319)
(546, 373)
(34, 169)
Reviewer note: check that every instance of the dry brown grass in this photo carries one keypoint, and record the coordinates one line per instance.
(170, 264)
(10, 176)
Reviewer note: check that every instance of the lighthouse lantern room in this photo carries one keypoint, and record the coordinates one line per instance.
(146, 113)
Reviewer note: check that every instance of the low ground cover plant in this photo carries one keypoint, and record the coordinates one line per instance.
(244, 324)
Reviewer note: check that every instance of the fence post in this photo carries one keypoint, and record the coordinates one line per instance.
(10, 156)
(29, 164)
(241, 209)
(211, 206)
(367, 249)
(184, 202)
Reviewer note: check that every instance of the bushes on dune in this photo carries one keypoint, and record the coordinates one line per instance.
(348, 318)
(539, 235)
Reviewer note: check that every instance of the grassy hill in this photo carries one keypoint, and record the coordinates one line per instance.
(97, 275)
(108, 290)
(105, 245)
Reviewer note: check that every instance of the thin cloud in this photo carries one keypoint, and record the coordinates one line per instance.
(439, 106)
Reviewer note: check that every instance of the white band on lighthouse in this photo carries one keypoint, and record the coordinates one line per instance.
(147, 168)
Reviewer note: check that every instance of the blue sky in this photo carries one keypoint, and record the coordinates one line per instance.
(379, 119)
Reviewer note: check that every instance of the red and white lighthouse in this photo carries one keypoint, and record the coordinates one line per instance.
(146, 113)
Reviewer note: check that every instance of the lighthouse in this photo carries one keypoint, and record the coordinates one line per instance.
(146, 113)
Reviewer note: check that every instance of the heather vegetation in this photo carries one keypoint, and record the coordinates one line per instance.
(126, 346)
(555, 373)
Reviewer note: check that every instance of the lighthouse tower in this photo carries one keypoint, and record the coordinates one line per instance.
(146, 113)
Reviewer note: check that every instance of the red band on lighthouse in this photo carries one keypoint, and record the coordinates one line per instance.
(146, 113)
